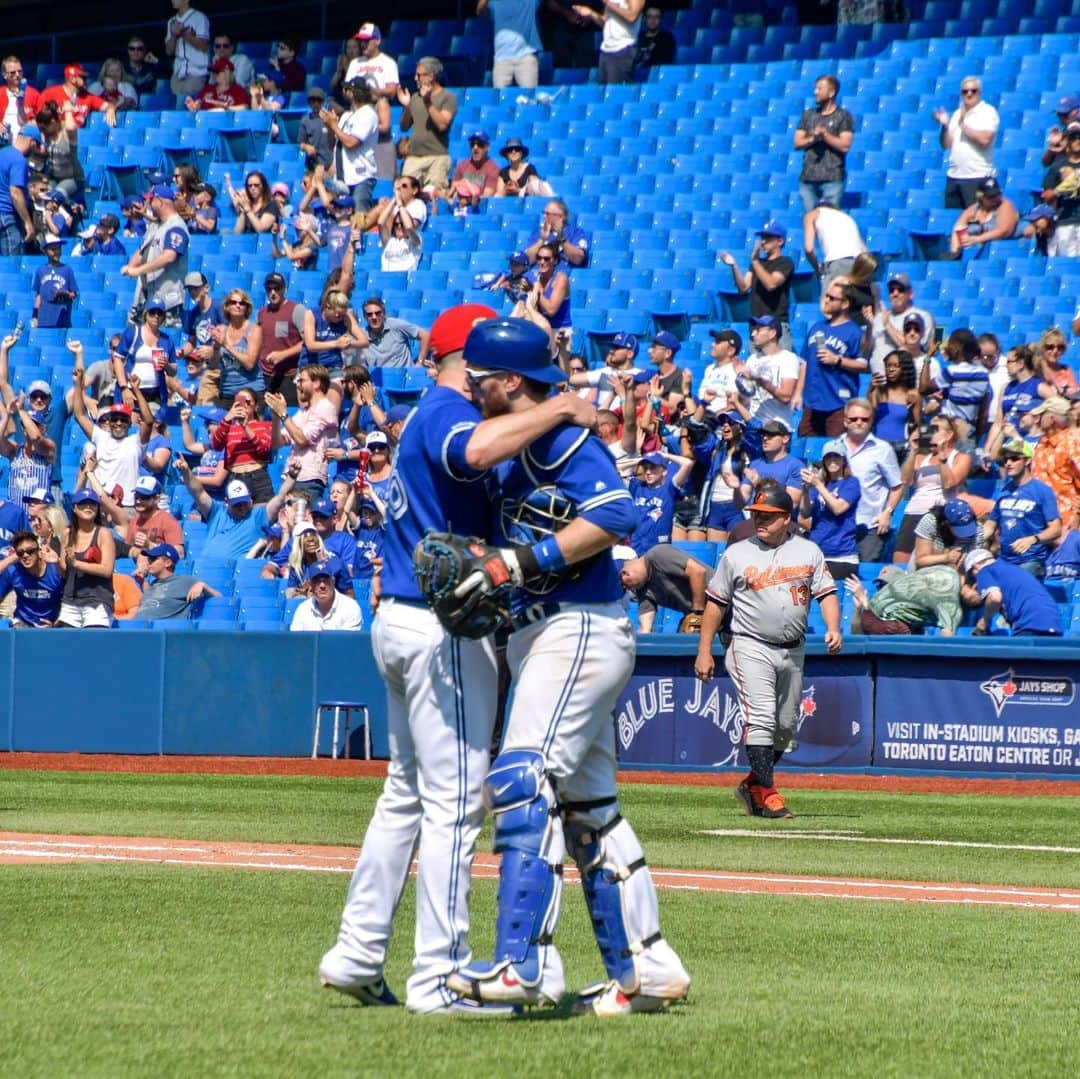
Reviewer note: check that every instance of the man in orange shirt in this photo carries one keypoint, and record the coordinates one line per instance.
(72, 96)
(1057, 457)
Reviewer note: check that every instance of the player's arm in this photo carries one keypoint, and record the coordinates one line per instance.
(502, 437)
(711, 621)
(830, 611)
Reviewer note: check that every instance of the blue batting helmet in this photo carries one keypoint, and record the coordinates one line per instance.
(512, 344)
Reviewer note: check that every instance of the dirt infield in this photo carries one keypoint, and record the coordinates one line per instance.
(303, 766)
(25, 848)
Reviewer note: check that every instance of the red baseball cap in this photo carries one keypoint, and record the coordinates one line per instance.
(449, 330)
(74, 69)
(221, 64)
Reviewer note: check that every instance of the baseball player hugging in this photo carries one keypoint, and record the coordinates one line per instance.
(441, 692)
(766, 582)
(562, 506)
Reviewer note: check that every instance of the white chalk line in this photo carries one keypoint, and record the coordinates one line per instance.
(849, 837)
(667, 879)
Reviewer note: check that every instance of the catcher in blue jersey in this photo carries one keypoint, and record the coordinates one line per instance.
(562, 506)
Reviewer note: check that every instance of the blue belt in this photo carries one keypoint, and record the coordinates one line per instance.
(535, 612)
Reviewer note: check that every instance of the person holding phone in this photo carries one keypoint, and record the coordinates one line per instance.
(887, 329)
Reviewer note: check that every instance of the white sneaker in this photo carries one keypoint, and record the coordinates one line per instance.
(607, 999)
(501, 984)
(461, 1006)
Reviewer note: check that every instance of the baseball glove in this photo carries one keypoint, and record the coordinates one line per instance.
(464, 581)
(691, 623)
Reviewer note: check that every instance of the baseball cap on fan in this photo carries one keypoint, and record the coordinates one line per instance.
(974, 559)
(960, 518)
(449, 330)
(237, 492)
(773, 228)
(368, 32)
(889, 574)
(625, 340)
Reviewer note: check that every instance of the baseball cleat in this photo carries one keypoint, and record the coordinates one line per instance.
(462, 1006)
(744, 795)
(774, 807)
(499, 984)
(371, 993)
(608, 999)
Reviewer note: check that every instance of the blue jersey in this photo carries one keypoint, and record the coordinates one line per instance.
(343, 546)
(346, 469)
(1024, 510)
(369, 546)
(198, 323)
(830, 386)
(54, 311)
(1025, 601)
(26, 474)
(1019, 398)
(834, 534)
(325, 331)
(1064, 563)
(37, 599)
(431, 486)
(582, 471)
(13, 173)
(656, 512)
(337, 239)
(12, 520)
(227, 537)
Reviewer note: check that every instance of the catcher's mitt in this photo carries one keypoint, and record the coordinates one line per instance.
(691, 623)
(464, 581)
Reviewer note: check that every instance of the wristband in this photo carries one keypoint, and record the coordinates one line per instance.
(546, 555)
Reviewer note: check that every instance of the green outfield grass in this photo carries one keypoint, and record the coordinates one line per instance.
(669, 820)
(144, 970)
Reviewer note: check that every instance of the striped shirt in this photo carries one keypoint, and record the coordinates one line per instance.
(966, 386)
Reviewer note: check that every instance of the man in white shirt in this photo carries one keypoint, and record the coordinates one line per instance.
(357, 132)
(968, 134)
(838, 236)
(327, 608)
(888, 326)
(380, 72)
(766, 382)
(187, 41)
(309, 430)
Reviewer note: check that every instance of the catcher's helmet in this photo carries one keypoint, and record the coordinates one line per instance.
(512, 344)
(541, 513)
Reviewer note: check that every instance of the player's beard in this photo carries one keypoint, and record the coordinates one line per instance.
(493, 398)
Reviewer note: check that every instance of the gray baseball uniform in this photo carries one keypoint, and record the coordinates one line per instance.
(769, 590)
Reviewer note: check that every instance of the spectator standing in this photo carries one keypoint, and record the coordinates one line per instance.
(475, 177)
(767, 383)
(775, 463)
(247, 443)
(990, 354)
(309, 431)
(140, 66)
(380, 72)
(963, 382)
(718, 386)
(256, 210)
(161, 263)
(621, 21)
(838, 236)
(313, 136)
(873, 463)
(833, 357)
(551, 293)
(428, 115)
(1062, 192)
(827, 508)
(1025, 514)
(62, 166)
(222, 93)
(726, 469)
(655, 493)
(243, 68)
(572, 34)
(517, 42)
(673, 383)
(329, 332)
(968, 134)
(145, 351)
(16, 218)
(1022, 600)
(895, 400)
(888, 325)
(236, 349)
(19, 102)
(390, 340)
(33, 573)
(327, 609)
(664, 576)
(769, 278)
(171, 594)
(1056, 458)
(72, 93)
(990, 217)
(149, 525)
(187, 41)
(55, 288)
(1023, 391)
(824, 134)
(200, 318)
(32, 458)
(281, 321)
(356, 134)
(87, 561)
(655, 45)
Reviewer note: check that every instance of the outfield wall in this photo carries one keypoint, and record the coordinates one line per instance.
(994, 706)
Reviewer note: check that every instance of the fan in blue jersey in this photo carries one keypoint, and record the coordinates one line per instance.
(552, 787)
(33, 574)
(441, 691)
(655, 491)
(54, 288)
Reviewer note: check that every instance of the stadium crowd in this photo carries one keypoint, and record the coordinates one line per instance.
(950, 463)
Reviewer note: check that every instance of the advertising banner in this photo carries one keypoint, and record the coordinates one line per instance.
(989, 715)
(666, 716)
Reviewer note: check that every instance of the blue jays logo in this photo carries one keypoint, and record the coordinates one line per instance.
(1010, 688)
(807, 706)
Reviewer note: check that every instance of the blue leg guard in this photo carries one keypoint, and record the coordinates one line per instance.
(526, 967)
(618, 888)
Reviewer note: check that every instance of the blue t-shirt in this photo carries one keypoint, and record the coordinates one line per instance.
(830, 386)
(13, 173)
(1064, 563)
(1024, 510)
(516, 34)
(227, 537)
(157, 442)
(48, 281)
(833, 533)
(786, 470)
(37, 599)
(656, 512)
(343, 546)
(337, 239)
(12, 520)
(210, 213)
(325, 331)
(346, 469)
(1019, 398)
(369, 546)
(577, 236)
(1026, 603)
(198, 323)
(111, 246)
(432, 485)
(573, 467)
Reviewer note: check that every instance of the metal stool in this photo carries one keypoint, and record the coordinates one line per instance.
(346, 708)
